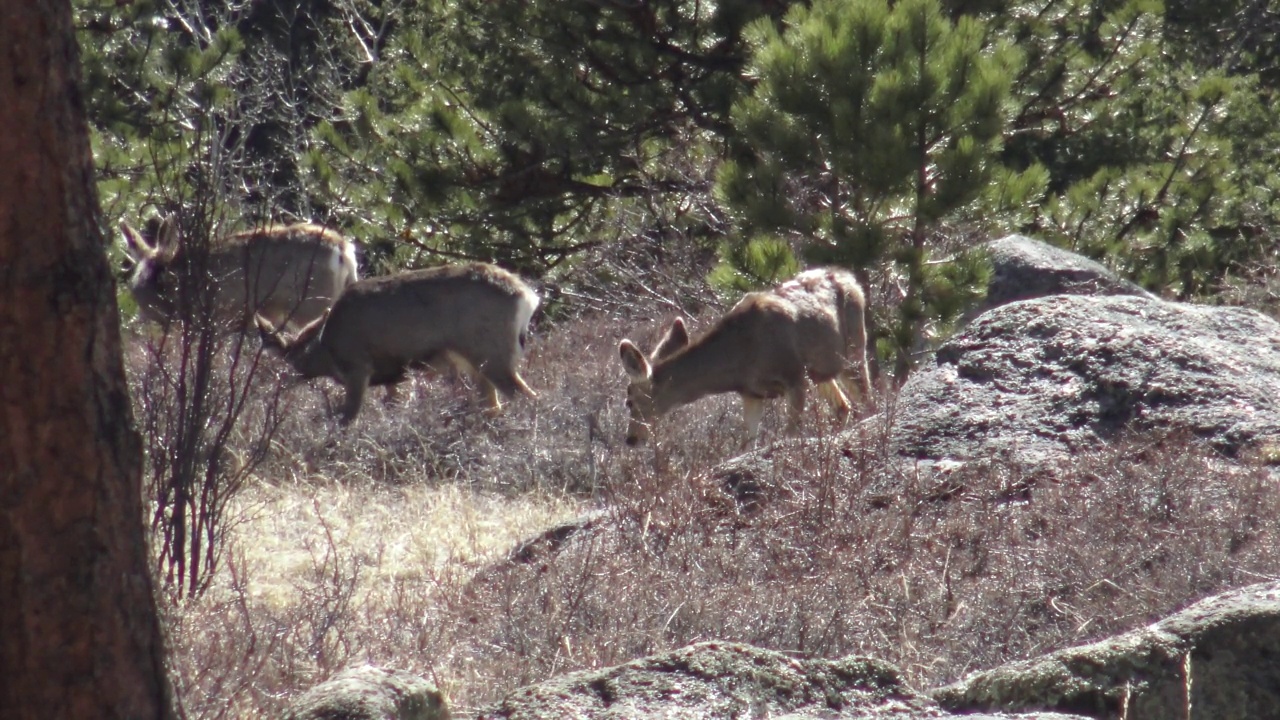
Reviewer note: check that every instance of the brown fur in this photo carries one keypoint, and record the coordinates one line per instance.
(298, 232)
(472, 316)
(812, 326)
(289, 274)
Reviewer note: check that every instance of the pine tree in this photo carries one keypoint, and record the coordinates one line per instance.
(1154, 157)
(211, 103)
(515, 131)
(870, 126)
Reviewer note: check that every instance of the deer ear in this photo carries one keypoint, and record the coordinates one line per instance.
(264, 325)
(136, 246)
(271, 335)
(677, 338)
(634, 361)
(167, 237)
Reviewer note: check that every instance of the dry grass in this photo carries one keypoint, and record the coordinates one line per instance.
(833, 552)
(320, 576)
(387, 542)
(391, 534)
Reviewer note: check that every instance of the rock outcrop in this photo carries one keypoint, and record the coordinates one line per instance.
(713, 681)
(1039, 379)
(1216, 660)
(370, 693)
(1024, 268)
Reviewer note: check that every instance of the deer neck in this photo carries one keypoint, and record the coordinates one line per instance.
(704, 368)
(310, 357)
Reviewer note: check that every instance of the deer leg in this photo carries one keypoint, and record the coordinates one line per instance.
(492, 401)
(795, 407)
(489, 391)
(858, 379)
(520, 386)
(857, 383)
(752, 411)
(356, 384)
(508, 382)
(834, 395)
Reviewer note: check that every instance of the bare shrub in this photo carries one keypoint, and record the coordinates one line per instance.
(645, 273)
(1256, 286)
(207, 417)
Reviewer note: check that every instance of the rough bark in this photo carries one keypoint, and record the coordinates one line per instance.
(79, 633)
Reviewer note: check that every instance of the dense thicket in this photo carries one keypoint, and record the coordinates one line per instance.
(888, 136)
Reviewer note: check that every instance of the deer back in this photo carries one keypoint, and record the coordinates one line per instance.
(828, 307)
(291, 274)
(477, 311)
(297, 271)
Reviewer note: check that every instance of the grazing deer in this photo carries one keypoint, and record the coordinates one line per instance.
(290, 275)
(763, 348)
(472, 316)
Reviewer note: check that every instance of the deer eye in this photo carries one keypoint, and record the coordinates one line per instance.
(630, 404)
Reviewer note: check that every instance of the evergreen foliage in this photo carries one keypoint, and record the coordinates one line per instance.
(516, 131)
(205, 108)
(1152, 155)
(869, 127)
(883, 136)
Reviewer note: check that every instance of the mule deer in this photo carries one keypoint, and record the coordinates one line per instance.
(763, 348)
(290, 275)
(472, 316)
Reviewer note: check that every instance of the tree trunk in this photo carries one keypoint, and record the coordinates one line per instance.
(79, 633)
